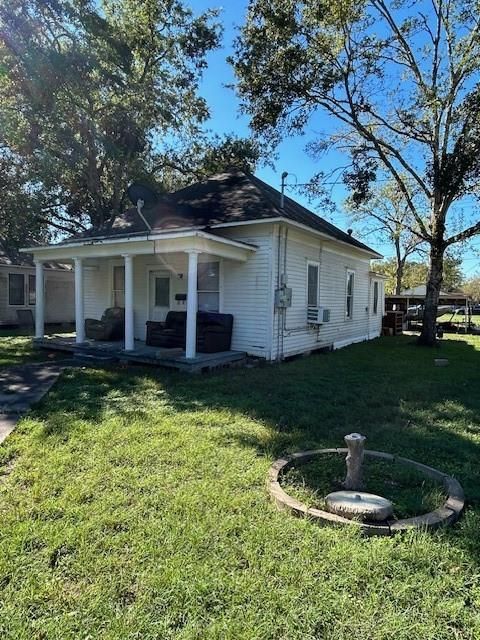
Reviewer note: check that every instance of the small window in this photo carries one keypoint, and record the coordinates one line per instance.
(375, 297)
(349, 293)
(162, 292)
(119, 286)
(312, 285)
(32, 294)
(208, 286)
(16, 289)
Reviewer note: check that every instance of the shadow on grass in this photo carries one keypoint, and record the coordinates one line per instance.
(389, 390)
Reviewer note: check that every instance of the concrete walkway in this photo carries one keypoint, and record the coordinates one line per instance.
(23, 386)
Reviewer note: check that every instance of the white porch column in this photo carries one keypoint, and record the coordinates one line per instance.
(39, 300)
(129, 336)
(79, 313)
(191, 341)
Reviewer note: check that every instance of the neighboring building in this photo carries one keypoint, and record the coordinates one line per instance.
(18, 288)
(293, 282)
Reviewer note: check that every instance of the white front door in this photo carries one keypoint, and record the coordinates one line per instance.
(160, 291)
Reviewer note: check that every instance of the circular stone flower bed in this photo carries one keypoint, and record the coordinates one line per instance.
(422, 496)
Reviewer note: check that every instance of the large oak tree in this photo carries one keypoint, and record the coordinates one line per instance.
(92, 94)
(401, 79)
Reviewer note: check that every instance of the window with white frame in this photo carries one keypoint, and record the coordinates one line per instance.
(16, 289)
(312, 284)
(375, 297)
(118, 286)
(208, 286)
(349, 293)
(32, 293)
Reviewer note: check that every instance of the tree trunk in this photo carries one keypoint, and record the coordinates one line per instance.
(400, 268)
(435, 278)
(399, 277)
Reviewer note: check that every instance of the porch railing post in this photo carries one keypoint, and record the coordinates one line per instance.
(129, 332)
(79, 313)
(39, 300)
(191, 340)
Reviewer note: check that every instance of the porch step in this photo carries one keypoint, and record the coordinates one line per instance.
(90, 357)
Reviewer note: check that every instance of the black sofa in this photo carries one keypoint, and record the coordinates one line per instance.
(110, 327)
(214, 331)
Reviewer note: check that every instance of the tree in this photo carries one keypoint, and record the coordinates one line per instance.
(89, 89)
(472, 288)
(205, 156)
(401, 80)
(415, 273)
(20, 201)
(386, 215)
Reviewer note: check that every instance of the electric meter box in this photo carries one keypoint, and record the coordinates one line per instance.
(283, 297)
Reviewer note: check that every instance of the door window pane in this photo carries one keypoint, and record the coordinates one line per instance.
(162, 292)
(312, 295)
(16, 289)
(31, 289)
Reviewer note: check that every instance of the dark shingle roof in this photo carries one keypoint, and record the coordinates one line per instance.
(230, 197)
(11, 257)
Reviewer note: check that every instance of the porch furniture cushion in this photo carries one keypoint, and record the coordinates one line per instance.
(214, 331)
(110, 327)
(170, 333)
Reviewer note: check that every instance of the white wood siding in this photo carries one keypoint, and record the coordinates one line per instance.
(59, 295)
(247, 290)
(334, 263)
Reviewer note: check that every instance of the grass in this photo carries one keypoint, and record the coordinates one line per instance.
(410, 492)
(460, 320)
(16, 348)
(133, 503)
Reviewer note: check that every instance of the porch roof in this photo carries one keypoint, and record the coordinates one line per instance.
(146, 244)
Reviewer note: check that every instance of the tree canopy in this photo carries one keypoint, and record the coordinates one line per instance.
(472, 288)
(415, 273)
(400, 79)
(96, 94)
(386, 217)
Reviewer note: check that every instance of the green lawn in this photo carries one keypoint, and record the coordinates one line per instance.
(133, 503)
(16, 348)
(460, 320)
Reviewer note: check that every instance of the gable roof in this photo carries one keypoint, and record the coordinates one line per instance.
(229, 198)
(11, 257)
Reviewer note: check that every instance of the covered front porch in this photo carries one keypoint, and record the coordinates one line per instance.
(147, 276)
(100, 351)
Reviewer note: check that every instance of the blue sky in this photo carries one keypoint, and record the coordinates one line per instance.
(292, 157)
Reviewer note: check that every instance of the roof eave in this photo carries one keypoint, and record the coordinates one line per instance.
(375, 255)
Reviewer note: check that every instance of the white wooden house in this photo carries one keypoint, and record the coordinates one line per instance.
(293, 282)
(18, 288)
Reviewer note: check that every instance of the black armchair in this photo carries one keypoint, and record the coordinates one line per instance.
(110, 327)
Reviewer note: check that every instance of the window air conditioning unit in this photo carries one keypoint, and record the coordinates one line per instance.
(318, 315)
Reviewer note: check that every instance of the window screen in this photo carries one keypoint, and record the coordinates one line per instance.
(375, 297)
(350, 288)
(119, 286)
(16, 289)
(312, 286)
(208, 286)
(31, 289)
